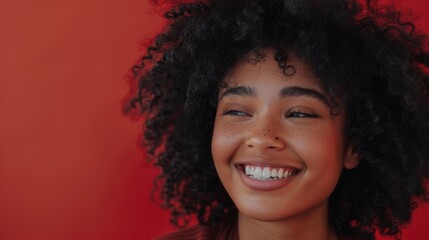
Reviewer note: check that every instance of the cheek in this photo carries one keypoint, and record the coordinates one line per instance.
(322, 152)
(225, 142)
(225, 139)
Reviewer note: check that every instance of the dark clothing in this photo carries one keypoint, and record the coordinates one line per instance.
(227, 230)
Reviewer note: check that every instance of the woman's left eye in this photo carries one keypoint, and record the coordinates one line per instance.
(235, 113)
(300, 114)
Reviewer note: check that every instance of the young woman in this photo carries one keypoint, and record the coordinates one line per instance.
(287, 119)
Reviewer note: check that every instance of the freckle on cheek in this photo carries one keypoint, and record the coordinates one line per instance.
(230, 130)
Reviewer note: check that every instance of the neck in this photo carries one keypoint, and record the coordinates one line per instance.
(312, 224)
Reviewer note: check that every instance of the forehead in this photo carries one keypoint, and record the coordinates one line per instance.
(262, 67)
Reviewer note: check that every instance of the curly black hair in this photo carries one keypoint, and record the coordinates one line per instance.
(364, 53)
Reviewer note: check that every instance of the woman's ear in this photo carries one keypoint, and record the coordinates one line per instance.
(352, 158)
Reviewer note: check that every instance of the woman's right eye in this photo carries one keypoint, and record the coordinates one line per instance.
(236, 113)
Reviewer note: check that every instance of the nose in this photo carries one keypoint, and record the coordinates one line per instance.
(266, 138)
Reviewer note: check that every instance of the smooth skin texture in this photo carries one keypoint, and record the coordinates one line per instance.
(266, 118)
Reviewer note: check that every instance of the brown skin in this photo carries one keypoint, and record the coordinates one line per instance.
(290, 132)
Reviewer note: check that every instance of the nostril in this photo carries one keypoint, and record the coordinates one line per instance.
(269, 141)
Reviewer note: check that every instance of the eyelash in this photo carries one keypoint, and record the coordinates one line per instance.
(300, 114)
(236, 113)
(291, 114)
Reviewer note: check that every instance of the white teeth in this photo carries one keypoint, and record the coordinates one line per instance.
(280, 173)
(287, 173)
(266, 173)
(273, 172)
(247, 169)
(258, 172)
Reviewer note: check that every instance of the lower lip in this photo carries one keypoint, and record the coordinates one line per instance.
(269, 185)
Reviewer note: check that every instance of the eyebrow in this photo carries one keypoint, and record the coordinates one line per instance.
(245, 91)
(300, 91)
(294, 91)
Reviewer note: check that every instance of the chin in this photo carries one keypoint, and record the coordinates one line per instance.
(268, 212)
(263, 213)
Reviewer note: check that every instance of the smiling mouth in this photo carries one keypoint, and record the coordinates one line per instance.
(267, 173)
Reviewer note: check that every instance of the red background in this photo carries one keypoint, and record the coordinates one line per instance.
(70, 167)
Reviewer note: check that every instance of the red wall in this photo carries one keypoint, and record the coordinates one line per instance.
(70, 167)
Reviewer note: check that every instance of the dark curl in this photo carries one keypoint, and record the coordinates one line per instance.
(365, 54)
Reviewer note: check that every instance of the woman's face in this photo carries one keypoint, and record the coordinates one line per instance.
(277, 149)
